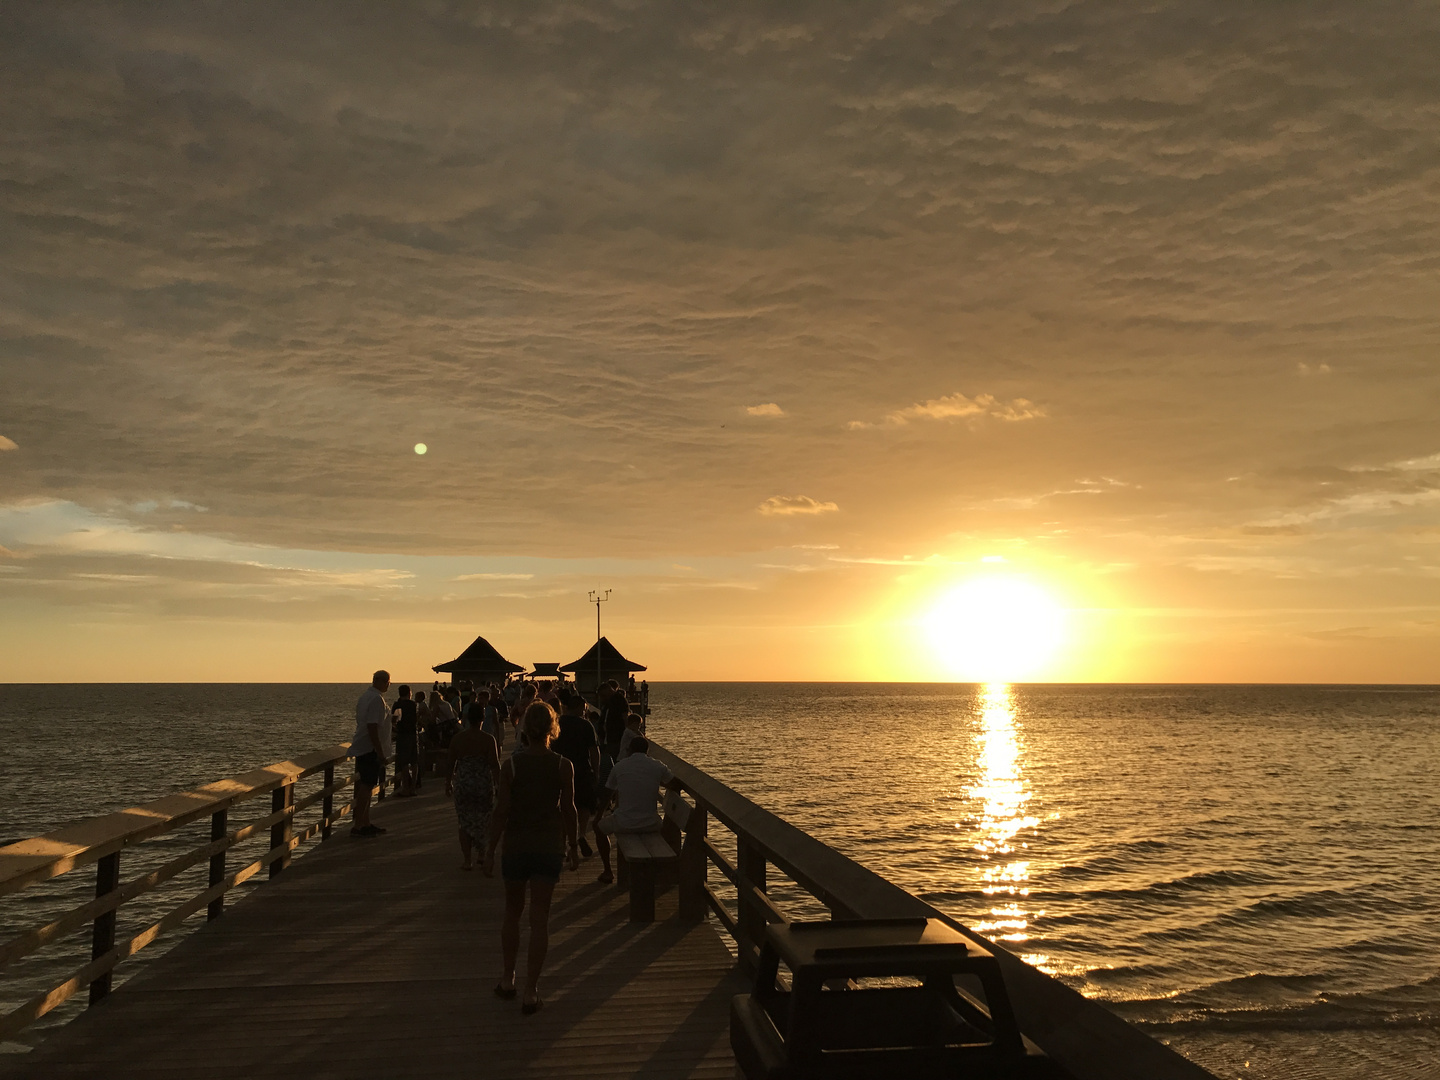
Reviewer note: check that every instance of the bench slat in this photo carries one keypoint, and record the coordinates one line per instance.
(638, 847)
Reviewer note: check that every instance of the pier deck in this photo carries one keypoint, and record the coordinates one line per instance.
(377, 958)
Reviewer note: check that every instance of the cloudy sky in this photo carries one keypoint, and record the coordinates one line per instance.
(780, 321)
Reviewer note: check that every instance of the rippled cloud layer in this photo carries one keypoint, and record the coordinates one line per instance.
(1142, 296)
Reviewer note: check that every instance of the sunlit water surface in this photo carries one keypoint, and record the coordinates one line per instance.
(1251, 874)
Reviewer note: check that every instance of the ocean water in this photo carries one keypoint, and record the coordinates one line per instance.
(1251, 874)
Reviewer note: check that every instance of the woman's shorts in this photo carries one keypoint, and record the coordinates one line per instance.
(585, 797)
(525, 865)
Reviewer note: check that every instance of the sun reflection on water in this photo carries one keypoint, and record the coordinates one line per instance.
(1001, 820)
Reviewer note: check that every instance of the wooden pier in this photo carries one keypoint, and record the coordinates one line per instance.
(378, 956)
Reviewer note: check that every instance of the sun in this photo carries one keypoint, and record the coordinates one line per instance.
(995, 629)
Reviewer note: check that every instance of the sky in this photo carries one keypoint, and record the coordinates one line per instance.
(789, 324)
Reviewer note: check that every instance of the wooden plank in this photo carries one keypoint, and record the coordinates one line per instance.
(43, 857)
(641, 846)
(377, 956)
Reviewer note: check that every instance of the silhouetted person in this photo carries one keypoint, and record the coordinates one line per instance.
(370, 746)
(636, 782)
(472, 770)
(577, 743)
(535, 815)
(406, 715)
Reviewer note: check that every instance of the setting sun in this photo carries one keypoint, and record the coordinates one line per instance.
(995, 629)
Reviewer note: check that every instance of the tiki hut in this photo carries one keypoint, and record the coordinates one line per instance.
(602, 663)
(480, 663)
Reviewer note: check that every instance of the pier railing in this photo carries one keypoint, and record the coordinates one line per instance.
(1082, 1037)
(103, 842)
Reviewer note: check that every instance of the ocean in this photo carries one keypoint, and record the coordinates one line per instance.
(1248, 873)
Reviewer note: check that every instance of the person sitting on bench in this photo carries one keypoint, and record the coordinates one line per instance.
(636, 781)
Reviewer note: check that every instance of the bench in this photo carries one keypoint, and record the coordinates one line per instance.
(642, 854)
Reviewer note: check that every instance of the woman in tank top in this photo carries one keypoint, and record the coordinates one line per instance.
(535, 816)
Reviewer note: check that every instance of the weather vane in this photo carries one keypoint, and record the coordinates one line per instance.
(597, 598)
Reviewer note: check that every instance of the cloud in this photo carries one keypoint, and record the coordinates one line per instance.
(768, 409)
(494, 577)
(780, 505)
(1303, 369)
(559, 242)
(7, 444)
(958, 406)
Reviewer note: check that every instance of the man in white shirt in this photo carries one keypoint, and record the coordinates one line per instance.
(370, 747)
(636, 782)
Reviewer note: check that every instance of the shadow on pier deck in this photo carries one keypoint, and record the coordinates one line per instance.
(377, 958)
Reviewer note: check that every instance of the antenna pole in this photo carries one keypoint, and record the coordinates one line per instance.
(597, 598)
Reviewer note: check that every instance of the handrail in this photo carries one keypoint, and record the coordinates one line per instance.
(43, 857)
(1085, 1039)
(101, 841)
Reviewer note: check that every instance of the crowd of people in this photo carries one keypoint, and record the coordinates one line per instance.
(532, 768)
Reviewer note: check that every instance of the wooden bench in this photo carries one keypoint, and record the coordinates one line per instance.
(643, 854)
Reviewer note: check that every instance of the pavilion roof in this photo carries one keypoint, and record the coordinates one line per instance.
(480, 656)
(605, 657)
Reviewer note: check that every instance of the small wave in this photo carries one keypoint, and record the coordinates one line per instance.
(1308, 1018)
(1112, 862)
(1172, 889)
(1364, 898)
(1305, 1018)
(1121, 972)
(1409, 1005)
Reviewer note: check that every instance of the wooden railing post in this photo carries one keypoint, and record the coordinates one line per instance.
(282, 797)
(107, 880)
(694, 868)
(219, 822)
(750, 862)
(327, 805)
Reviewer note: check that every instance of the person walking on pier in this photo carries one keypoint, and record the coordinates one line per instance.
(370, 746)
(406, 715)
(490, 717)
(578, 743)
(535, 814)
(472, 769)
(422, 738)
(443, 715)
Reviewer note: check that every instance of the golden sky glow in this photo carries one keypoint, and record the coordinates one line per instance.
(334, 338)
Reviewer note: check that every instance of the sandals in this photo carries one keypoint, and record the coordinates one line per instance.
(528, 1008)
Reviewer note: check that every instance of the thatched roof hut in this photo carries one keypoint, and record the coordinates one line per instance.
(602, 663)
(480, 663)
